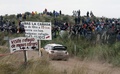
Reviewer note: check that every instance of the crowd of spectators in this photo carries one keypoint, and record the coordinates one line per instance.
(7, 25)
(89, 25)
(83, 25)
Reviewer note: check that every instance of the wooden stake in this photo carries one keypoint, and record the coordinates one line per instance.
(25, 57)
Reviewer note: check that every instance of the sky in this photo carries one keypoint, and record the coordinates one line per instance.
(105, 8)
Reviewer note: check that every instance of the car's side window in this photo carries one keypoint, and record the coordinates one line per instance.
(47, 47)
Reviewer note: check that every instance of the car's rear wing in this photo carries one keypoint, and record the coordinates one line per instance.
(59, 48)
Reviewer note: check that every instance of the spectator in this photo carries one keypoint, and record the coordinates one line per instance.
(33, 13)
(60, 12)
(54, 13)
(45, 10)
(76, 20)
(87, 13)
(1, 18)
(91, 14)
(118, 37)
(24, 16)
(64, 27)
(78, 13)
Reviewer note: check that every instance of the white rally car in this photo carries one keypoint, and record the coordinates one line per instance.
(56, 51)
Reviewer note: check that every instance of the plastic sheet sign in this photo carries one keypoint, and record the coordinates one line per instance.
(40, 30)
(23, 43)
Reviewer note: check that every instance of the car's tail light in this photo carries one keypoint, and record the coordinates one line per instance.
(66, 52)
(52, 51)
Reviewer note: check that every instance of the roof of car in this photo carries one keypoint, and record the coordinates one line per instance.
(54, 44)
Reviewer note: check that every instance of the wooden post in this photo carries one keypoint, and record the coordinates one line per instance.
(25, 57)
(75, 50)
(39, 47)
(8, 43)
(7, 39)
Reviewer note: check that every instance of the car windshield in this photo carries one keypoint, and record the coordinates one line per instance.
(59, 48)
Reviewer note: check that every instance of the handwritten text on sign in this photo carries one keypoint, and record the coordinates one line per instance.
(23, 43)
(40, 30)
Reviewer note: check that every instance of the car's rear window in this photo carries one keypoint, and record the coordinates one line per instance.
(59, 48)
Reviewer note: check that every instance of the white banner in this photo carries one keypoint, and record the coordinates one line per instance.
(23, 43)
(40, 30)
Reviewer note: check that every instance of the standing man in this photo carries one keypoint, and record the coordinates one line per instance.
(87, 13)
(78, 13)
(60, 12)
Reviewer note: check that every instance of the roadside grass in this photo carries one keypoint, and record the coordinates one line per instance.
(11, 65)
(3, 50)
(85, 70)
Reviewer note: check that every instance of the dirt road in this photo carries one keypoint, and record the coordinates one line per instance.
(76, 65)
(86, 67)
